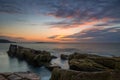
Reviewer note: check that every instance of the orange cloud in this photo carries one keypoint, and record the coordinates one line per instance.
(93, 21)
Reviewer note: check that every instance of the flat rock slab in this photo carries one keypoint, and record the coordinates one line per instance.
(19, 76)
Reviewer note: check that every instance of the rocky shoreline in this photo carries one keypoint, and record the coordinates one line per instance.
(19, 76)
(89, 67)
(82, 66)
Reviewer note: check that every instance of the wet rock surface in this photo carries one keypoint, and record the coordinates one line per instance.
(52, 66)
(64, 57)
(19, 76)
(34, 57)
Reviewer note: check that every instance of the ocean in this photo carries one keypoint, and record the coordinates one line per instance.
(8, 64)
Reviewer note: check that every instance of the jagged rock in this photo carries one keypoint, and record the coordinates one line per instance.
(64, 57)
(34, 57)
(60, 74)
(85, 65)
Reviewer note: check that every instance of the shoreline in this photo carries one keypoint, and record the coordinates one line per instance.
(15, 52)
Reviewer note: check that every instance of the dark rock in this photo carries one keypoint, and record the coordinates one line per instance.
(89, 62)
(64, 57)
(85, 65)
(14, 77)
(2, 77)
(60, 74)
(81, 56)
(112, 63)
(52, 66)
(89, 67)
(34, 57)
(54, 57)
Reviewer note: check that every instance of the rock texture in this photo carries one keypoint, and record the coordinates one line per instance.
(60, 74)
(52, 66)
(64, 57)
(19, 76)
(85, 65)
(89, 67)
(34, 57)
(87, 62)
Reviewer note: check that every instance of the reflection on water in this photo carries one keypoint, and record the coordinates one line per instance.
(42, 71)
(11, 64)
(14, 65)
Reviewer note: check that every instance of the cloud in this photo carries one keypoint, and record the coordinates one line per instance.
(21, 6)
(73, 12)
(82, 11)
(53, 37)
(104, 24)
(60, 38)
(95, 35)
(16, 39)
(9, 6)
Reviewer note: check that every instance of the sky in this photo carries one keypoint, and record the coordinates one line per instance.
(60, 20)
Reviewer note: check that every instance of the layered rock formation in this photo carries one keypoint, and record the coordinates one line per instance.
(34, 57)
(19, 76)
(89, 67)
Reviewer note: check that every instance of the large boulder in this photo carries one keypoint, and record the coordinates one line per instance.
(89, 62)
(85, 65)
(60, 74)
(35, 57)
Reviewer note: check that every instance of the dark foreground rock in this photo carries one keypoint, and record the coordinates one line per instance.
(52, 66)
(34, 57)
(64, 57)
(19, 76)
(89, 67)
(54, 57)
(85, 65)
(88, 62)
(60, 74)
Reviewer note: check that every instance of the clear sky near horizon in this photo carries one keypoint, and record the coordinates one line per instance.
(60, 20)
